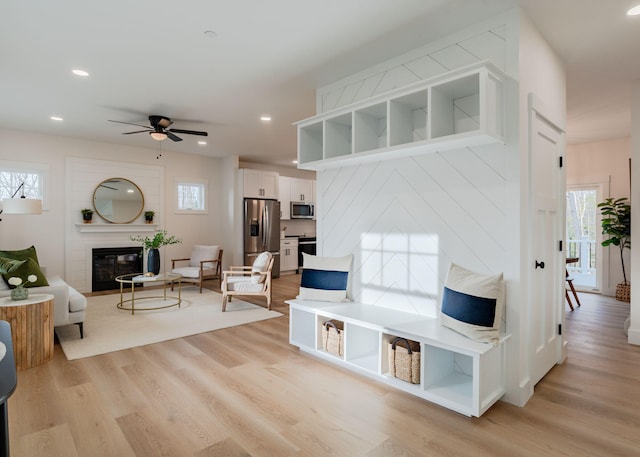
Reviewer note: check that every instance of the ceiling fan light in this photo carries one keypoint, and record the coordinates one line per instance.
(159, 136)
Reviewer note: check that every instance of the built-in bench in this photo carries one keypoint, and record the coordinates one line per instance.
(456, 372)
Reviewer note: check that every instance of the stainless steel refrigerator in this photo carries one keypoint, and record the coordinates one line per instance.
(262, 231)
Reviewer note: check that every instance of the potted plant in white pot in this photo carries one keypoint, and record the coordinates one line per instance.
(616, 224)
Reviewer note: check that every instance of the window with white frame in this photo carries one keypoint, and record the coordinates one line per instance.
(191, 196)
(13, 175)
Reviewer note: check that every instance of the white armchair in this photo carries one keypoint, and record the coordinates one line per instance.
(205, 263)
(248, 280)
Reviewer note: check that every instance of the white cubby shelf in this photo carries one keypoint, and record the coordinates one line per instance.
(456, 372)
(461, 108)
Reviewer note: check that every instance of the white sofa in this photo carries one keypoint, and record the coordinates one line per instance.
(69, 305)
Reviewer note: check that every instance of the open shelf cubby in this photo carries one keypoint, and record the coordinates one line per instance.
(408, 116)
(338, 136)
(461, 108)
(370, 127)
(320, 342)
(362, 348)
(458, 373)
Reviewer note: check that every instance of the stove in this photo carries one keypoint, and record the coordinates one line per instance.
(307, 245)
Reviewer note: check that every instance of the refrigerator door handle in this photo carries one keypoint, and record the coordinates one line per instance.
(267, 229)
(265, 225)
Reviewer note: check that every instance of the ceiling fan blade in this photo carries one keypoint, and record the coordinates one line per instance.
(172, 136)
(129, 123)
(138, 131)
(188, 132)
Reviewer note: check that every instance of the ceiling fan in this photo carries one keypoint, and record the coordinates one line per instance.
(159, 129)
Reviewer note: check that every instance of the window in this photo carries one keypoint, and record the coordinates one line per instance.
(34, 177)
(191, 196)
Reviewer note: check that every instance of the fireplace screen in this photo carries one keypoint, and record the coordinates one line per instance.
(111, 262)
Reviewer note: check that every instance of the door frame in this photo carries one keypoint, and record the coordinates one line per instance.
(538, 110)
(601, 253)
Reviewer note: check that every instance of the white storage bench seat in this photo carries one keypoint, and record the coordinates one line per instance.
(456, 372)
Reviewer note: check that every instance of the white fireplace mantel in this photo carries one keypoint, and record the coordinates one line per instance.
(118, 228)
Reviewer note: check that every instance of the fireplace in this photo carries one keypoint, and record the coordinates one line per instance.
(107, 263)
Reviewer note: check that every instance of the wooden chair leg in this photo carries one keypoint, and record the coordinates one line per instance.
(566, 294)
(573, 289)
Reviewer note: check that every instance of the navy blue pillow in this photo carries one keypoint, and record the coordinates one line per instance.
(470, 309)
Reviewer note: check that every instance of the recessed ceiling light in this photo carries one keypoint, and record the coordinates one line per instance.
(265, 117)
(56, 118)
(202, 143)
(80, 72)
(634, 11)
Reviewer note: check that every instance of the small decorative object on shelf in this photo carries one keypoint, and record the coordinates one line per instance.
(20, 292)
(148, 216)
(87, 215)
(152, 244)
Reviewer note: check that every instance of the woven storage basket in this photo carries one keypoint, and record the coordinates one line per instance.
(404, 360)
(623, 292)
(332, 340)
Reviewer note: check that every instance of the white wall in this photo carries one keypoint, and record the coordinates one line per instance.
(634, 329)
(49, 230)
(407, 220)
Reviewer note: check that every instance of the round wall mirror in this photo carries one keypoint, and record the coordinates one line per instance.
(118, 200)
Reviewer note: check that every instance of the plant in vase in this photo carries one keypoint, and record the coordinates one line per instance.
(87, 215)
(152, 244)
(616, 223)
(20, 292)
(148, 216)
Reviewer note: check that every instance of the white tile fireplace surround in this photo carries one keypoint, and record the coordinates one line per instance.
(83, 175)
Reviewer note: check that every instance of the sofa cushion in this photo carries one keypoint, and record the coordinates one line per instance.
(473, 304)
(325, 278)
(22, 269)
(260, 265)
(200, 253)
(21, 254)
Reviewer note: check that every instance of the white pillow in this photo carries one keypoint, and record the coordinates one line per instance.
(200, 253)
(473, 304)
(260, 265)
(325, 278)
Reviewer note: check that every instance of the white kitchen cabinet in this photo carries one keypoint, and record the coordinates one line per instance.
(289, 254)
(284, 195)
(259, 184)
(455, 372)
(461, 108)
(301, 190)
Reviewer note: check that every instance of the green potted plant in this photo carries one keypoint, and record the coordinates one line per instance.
(616, 224)
(152, 244)
(87, 215)
(148, 216)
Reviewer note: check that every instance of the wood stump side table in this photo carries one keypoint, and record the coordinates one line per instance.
(31, 322)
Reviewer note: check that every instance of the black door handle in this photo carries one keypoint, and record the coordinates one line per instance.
(539, 264)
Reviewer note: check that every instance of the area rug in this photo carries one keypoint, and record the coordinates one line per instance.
(108, 329)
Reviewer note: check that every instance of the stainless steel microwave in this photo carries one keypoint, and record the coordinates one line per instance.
(302, 210)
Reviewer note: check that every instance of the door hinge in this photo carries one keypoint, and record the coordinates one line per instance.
(560, 245)
(560, 161)
(559, 329)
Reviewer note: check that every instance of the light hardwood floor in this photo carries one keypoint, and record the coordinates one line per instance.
(244, 391)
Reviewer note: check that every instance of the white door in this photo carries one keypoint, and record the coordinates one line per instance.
(547, 230)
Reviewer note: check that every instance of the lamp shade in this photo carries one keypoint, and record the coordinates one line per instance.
(21, 206)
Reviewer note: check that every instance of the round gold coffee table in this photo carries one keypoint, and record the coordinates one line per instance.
(141, 278)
